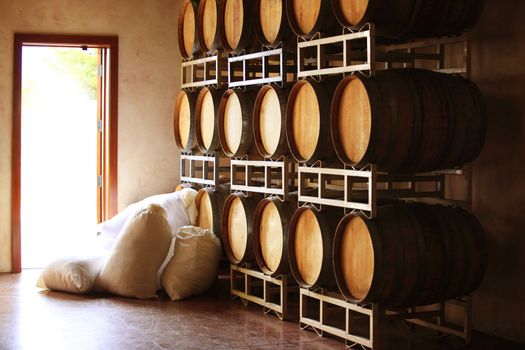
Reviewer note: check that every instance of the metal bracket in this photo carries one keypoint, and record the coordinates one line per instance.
(273, 180)
(207, 174)
(368, 176)
(344, 56)
(257, 68)
(202, 72)
(271, 285)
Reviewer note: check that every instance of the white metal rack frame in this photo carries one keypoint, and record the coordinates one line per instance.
(375, 316)
(200, 72)
(343, 44)
(242, 285)
(270, 177)
(360, 189)
(200, 169)
(359, 51)
(264, 67)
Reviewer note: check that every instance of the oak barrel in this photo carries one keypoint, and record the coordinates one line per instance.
(236, 29)
(184, 120)
(237, 227)
(408, 120)
(410, 255)
(272, 25)
(270, 235)
(209, 208)
(307, 121)
(207, 119)
(309, 17)
(208, 26)
(235, 122)
(410, 19)
(269, 120)
(187, 29)
(310, 246)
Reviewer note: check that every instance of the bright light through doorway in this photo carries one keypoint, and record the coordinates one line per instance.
(59, 152)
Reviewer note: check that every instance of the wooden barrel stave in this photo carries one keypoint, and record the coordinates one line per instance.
(416, 121)
(434, 122)
(238, 212)
(272, 26)
(187, 29)
(402, 20)
(209, 207)
(235, 28)
(310, 246)
(307, 121)
(208, 26)
(184, 121)
(207, 119)
(309, 17)
(262, 236)
(420, 254)
(269, 120)
(434, 275)
(235, 123)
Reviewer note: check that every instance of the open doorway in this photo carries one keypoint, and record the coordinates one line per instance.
(64, 143)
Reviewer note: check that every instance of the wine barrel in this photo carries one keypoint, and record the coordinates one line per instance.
(207, 119)
(209, 208)
(235, 123)
(412, 19)
(184, 120)
(408, 120)
(272, 25)
(208, 26)
(270, 235)
(269, 120)
(410, 255)
(237, 227)
(307, 121)
(187, 33)
(310, 246)
(309, 17)
(234, 23)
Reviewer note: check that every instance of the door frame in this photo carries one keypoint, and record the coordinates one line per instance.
(109, 122)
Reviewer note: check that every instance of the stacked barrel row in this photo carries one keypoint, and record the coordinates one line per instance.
(402, 120)
(206, 26)
(412, 254)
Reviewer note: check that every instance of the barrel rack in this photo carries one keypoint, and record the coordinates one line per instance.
(205, 71)
(351, 52)
(356, 52)
(267, 66)
(364, 325)
(204, 170)
(274, 294)
(276, 176)
(361, 189)
(263, 67)
(268, 177)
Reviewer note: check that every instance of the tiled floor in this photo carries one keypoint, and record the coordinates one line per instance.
(34, 319)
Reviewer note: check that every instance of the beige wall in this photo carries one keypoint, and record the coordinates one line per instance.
(148, 84)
